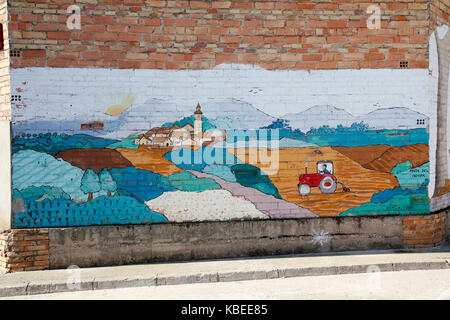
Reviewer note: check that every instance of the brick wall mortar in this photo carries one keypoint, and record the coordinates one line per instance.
(24, 250)
(448, 225)
(5, 107)
(425, 230)
(283, 34)
(439, 13)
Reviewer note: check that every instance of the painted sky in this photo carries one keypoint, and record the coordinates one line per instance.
(63, 93)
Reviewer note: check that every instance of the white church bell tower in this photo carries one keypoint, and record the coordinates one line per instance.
(198, 125)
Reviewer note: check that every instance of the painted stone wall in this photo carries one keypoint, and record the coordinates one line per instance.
(101, 146)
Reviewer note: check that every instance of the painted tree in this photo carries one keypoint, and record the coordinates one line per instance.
(279, 124)
(90, 183)
(80, 145)
(107, 182)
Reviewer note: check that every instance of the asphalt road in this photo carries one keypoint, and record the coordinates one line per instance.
(430, 284)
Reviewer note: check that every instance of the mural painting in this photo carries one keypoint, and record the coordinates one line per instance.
(156, 160)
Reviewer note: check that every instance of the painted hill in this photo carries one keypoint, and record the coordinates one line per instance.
(388, 118)
(318, 116)
(95, 159)
(223, 114)
(363, 155)
(362, 182)
(384, 158)
(139, 118)
(47, 171)
(417, 154)
(395, 118)
(150, 159)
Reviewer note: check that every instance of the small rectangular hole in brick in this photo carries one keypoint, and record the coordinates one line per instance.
(403, 64)
(15, 53)
(16, 98)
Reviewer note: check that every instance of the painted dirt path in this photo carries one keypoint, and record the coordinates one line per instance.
(150, 159)
(363, 183)
(273, 207)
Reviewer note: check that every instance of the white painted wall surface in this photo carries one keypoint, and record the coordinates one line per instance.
(59, 93)
(433, 84)
(5, 173)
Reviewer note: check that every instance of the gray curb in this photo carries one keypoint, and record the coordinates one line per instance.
(44, 287)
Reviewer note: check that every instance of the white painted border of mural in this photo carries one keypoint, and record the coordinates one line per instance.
(433, 85)
(441, 33)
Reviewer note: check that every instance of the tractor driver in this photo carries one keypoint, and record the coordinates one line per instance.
(324, 169)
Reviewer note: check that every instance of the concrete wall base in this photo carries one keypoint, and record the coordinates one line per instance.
(54, 248)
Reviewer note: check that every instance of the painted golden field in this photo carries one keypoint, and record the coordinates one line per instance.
(363, 183)
(150, 159)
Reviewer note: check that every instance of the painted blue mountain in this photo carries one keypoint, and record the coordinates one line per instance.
(139, 118)
(318, 116)
(395, 118)
(223, 114)
(387, 118)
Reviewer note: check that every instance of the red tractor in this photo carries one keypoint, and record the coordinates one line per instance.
(324, 179)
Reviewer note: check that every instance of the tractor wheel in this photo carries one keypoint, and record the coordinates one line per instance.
(327, 185)
(304, 189)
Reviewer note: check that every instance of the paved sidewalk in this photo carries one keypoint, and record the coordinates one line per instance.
(160, 274)
(394, 285)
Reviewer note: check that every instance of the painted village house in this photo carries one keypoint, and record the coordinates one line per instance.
(185, 136)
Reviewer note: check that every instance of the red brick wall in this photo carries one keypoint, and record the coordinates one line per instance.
(24, 250)
(424, 230)
(439, 13)
(282, 34)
